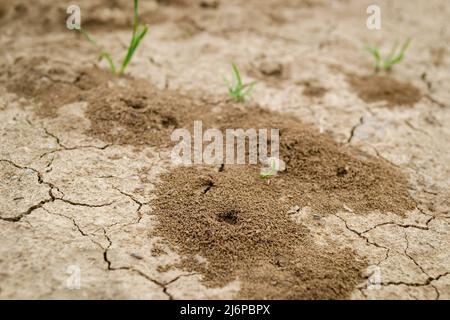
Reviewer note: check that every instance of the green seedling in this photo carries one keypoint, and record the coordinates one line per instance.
(236, 89)
(139, 32)
(394, 57)
(269, 172)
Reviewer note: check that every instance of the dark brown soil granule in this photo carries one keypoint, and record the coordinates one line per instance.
(313, 90)
(383, 88)
(241, 226)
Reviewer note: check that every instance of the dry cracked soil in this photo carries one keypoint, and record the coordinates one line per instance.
(91, 206)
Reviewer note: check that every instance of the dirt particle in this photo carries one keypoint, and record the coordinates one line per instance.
(209, 4)
(313, 89)
(271, 68)
(342, 171)
(228, 216)
(188, 26)
(173, 2)
(438, 55)
(136, 256)
(137, 103)
(164, 268)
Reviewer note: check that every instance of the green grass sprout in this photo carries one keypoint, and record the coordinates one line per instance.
(236, 89)
(393, 58)
(269, 172)
(139, 32)
(103, 54)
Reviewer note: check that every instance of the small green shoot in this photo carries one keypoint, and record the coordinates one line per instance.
(103, 54)
(394, 57)
(269, 172)
(139, 32)
(236, 89)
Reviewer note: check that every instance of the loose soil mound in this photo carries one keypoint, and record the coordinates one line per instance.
(383, 88)
(241, 226)
(51, 84)
(313, 90)
(122, 110)
(325, 174)
(140, 114)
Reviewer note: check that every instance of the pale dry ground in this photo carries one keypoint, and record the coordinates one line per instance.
(69, 199)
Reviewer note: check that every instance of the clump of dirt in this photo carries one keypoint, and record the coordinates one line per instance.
(209, 4)
(240, 224)
(271, 68)
(122, 110)
(270, 71)
(173, 2)
(139, 114)
(188, 26)
(51, 84)
(383, 88)
(313, 89)
(326, 173)
(241, 227)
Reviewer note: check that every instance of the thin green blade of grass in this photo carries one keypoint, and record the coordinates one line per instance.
(236, 89)
(136, 37)
(237, 74)
(375, 54)
(138, 34)
(103, 54)
(135, 17)
(394, 57)
(398, 58)
(249, 89)
(373, 51)
(392, 52)
(227, 82)
(135, 41)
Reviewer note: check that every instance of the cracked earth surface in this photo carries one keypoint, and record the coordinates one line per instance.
(68, 198)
